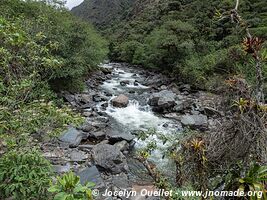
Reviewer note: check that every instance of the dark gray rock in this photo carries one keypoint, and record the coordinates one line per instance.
(124, 83)
(162, 101)
(78, 156)
(69, 98)
(121, 101)
(104, 105)
(195, 121)
(99, 98)
(102, 119)
(86, 147)
(99, 135)
(122, 145)
(91, 174)
(72, 136)
(59, 169)
(185, 88)
(85, 98)
(87, 114)
(110, 158)
(113, 137)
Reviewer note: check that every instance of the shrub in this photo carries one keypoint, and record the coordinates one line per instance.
(68, 187)
(24, 175)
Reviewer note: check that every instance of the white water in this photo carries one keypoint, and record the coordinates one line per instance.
(135, 116)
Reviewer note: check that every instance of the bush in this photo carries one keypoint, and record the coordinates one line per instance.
(68, 187)
(24, 175)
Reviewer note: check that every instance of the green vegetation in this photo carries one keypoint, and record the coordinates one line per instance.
(43, 50)
(189, 38)
(24, 174)
(68, 187)
(42, 47)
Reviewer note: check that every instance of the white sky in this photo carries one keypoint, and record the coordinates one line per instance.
(72, 3)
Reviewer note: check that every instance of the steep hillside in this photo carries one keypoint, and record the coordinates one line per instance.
(187, 38)
(102, 12)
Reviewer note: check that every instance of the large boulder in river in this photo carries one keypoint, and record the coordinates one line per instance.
(120, 101)
(110, 158)
(162, 101)
(195, 121)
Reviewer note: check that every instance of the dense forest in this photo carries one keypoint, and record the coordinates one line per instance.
(55, 107)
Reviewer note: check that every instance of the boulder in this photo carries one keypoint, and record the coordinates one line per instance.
(109, 158)
(98, 135)
(121, 101)
(78, 156)
(195, 121)
(60, 169)
(122, 145)
(162, 101)
(85, 98)
(113, 137)
(124, 83)
(91, 174)
(72, 136)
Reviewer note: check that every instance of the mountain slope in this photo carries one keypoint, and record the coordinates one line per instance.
(102, 12)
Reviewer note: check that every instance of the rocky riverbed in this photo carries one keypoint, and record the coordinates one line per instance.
(119, 101)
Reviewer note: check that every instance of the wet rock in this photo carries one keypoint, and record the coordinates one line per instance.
(121, 101)
(124, 83)
(162, 101)
(136, 83)
(72, 136)
(195, 121)
(104, 105)
(110, 158)
(91, 174)
(131, 92)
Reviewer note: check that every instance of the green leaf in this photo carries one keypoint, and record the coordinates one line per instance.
(53, 189)
(61, 196)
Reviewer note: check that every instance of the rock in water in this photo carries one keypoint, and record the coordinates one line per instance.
(121, 101)
(110, 158)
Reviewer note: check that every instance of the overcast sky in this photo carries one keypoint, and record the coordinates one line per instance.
(72, 3)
